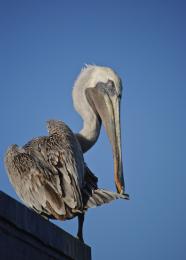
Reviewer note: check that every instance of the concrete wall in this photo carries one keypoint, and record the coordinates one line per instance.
(26, 235)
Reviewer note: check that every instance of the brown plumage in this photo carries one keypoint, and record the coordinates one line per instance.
(50, 176)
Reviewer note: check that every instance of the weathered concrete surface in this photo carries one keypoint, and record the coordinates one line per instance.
(26, 235)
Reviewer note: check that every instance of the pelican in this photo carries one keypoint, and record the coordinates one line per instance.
(49, 173)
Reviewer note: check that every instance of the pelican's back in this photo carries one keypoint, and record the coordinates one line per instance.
(48, 172)
(64, 141)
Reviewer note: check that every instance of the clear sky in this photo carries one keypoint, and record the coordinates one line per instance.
(43, 46)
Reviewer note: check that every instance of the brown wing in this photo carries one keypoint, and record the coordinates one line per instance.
(33, 183)
(61, 154)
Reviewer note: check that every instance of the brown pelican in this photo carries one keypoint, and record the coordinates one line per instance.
(49, 173)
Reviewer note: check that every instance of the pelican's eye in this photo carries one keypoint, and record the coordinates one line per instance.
(108, 87)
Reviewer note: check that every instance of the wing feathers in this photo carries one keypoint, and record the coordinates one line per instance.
(50, 175)
(100, 196)
(92, 195)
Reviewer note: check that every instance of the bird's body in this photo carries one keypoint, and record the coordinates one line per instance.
(49, 173)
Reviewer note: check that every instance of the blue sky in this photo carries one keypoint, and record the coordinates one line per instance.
(43, 46)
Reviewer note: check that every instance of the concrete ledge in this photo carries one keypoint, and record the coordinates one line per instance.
(26, 235)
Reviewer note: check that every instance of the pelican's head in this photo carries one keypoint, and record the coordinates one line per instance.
(97, 93)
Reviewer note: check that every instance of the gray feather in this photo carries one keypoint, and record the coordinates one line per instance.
(50, 176)
(48, 170)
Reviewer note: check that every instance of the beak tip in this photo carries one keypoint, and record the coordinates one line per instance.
(125, 195)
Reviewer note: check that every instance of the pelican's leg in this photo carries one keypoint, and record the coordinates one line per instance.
(80, 226)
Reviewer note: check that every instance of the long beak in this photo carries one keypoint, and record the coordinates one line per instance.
(108, 108)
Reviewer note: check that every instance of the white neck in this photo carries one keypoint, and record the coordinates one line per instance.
(91, 123)
(89, 134)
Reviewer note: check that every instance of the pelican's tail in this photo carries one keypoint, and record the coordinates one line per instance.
(93, 196)
(99, 197)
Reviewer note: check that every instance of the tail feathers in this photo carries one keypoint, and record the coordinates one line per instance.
(93, 196)
(99, 197)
